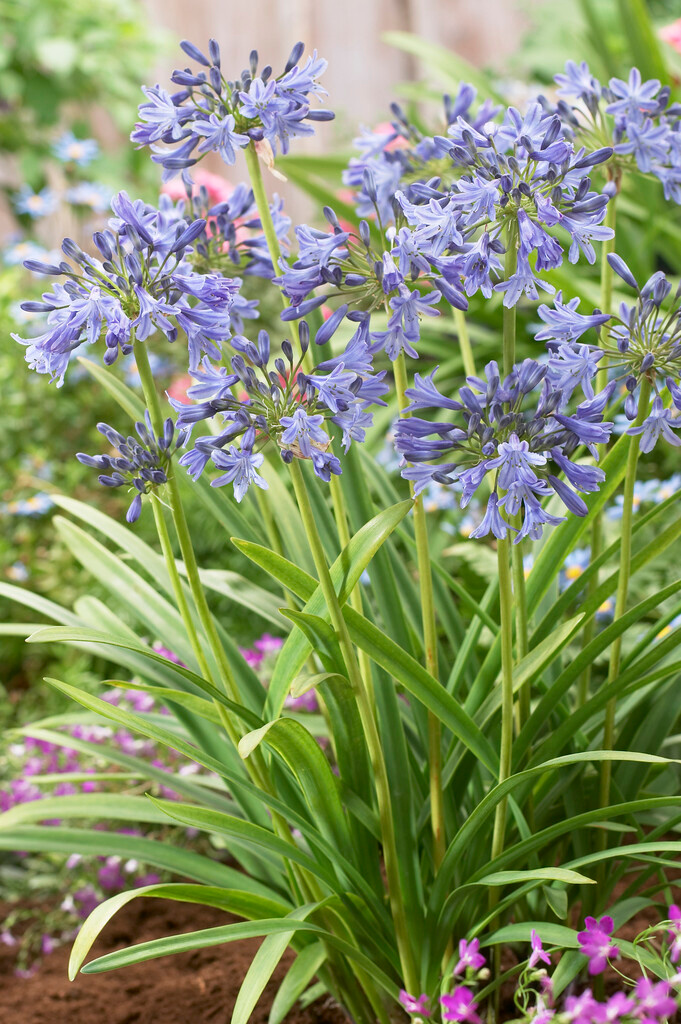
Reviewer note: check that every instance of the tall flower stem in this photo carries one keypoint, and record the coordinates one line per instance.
(518, 569)
(387, 823)
(429, 638)
(607, 273)
(464, 342)
(622, 587)
(263, 207)
(506, 633)
(182, 529)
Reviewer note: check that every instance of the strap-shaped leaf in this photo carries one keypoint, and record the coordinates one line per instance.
(298, 977)
(318, 784)
(384, 651)
(233, 901)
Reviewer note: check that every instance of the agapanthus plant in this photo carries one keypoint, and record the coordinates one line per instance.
(471, 807)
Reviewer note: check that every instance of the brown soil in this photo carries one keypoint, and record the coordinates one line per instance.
(191, 988)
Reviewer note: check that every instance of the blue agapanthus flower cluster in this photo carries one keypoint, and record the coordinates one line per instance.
(640, 342)
(394, 155)
(210, 114)
(143, 283)
(500, 186)
(261, 398)
(503, 433)
(233, 234)
(142, 462)
(633, 116)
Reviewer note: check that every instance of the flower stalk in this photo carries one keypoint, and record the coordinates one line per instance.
(622, 588)
(369, 726)
(429, 638)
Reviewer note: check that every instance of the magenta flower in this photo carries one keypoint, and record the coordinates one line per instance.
(582, 1009)
(415, 1004)
(675, 933)
(538, 951)
(594, 942)
(616, 1007)
(460, 1006)
(469, 956)
(654, 999)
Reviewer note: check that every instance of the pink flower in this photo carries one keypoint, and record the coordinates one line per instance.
(460, 1006)
(672, 34)
(654, 999)
(538, 951)
(675, 933)
(414, 1004)
(178, 388)
(469, 956)
(218, 188)
(542, 1014)
(267, 643)
(582, 1009)
(616, 1007)
(594, 942)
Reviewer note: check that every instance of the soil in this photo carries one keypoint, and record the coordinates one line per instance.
(199, 987)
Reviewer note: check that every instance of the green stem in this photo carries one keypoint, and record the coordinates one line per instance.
(263, 207)
(607, 275)
(584, 685)
(176, 583)
(508, 323)
(429, 639)
(387, 824)
(506, 633)
(622, 587)
(464, 342)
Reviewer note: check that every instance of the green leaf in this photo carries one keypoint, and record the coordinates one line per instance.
(129, 402)
(317, 782)
(299, 976)
(232, 901)
(557, 900)
(262, 968)
(91, 843)
(84, 805)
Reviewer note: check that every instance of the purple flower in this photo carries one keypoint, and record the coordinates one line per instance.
(469, 956)
(675, 933)
(303, 431)
(241, 465)
(334, 389)
(460, 1006)
(654, 999)
(538, 952)
(633, 97)
(657, 424)
(492, 522)
(415, 1004)
(407, 306)
(578, 82)
(594, 942)
(220, 136)
(564, 323)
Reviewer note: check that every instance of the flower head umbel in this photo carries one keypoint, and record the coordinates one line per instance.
(641, 343)
(142, 462)
(211, 114)
(143, 284)
(631, 117)
(524, 444)
(265, 397)
(595, 943)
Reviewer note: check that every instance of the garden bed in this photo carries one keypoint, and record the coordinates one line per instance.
(200, 987)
